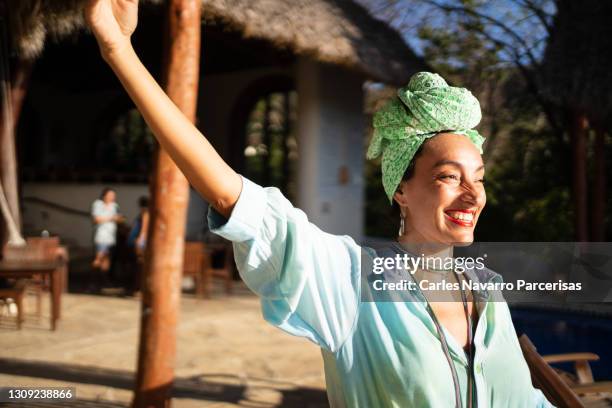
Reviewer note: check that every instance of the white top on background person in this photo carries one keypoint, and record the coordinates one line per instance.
(105, 212)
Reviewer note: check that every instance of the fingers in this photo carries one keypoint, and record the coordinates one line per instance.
(89, 11)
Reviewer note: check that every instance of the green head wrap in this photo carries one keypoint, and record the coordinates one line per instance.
(424, 108)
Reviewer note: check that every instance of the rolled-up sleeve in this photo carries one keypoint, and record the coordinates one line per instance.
(308, 280)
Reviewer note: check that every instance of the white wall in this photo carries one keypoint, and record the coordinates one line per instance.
(331, 136)
(75, 229)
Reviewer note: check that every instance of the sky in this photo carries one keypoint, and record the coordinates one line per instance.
(407, 15)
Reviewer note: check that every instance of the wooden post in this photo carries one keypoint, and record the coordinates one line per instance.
(14, 236)
(598, 205)
(578, 137)
(12, 93)
(170, 195)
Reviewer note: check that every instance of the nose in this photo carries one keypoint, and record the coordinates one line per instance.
(471, 193)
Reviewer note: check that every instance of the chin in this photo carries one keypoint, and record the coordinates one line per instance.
(460, 240)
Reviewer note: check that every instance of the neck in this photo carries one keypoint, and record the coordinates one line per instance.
(418, 246)
(429, 250)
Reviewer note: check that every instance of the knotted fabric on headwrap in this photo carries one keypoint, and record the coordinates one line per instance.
(424, 108)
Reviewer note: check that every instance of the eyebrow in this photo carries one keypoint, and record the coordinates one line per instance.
(452, 163)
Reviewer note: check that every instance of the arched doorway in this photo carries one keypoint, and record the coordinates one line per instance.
(264, 147)
(129, 144)
(123, 147)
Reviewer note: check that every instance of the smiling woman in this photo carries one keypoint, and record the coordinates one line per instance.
(443, 198)
(460, 353)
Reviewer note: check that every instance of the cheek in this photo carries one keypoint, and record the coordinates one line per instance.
(443, 195)
(431, 199)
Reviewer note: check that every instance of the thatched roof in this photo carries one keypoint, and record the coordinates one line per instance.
(335, 31)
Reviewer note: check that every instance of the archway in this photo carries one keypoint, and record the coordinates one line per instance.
(263, 143)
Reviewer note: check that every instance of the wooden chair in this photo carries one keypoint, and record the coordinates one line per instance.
(583, 373)
(564, 390)
(225, 272)
(197, 263)
(51, 248)
(48, 248)
(16, 292)
(33, 286)
(40, 248)
(193, 264)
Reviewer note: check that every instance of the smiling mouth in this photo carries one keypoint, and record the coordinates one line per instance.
(465, 218)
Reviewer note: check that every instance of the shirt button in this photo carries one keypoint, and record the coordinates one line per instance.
(478, 368)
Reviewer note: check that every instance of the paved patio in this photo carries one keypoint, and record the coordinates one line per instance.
(228, 356)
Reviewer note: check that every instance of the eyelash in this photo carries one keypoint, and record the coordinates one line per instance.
(482, 180)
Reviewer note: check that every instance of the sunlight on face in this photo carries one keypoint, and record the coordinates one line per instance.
(445, 196)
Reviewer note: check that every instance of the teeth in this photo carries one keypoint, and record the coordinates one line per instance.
(461, 216)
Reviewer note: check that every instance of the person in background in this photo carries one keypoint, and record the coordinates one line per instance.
(140, 228)
(105, 216)
(137, 241)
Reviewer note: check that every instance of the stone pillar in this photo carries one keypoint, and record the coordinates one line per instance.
(331, 147)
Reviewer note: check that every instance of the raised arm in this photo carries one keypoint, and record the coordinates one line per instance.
(308, 280)
(113, 22)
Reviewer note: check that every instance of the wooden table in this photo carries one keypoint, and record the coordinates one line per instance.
(26, 269)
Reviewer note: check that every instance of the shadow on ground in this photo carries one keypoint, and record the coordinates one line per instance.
(208, 387)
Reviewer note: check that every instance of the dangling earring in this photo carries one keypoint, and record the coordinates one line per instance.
(401, 228)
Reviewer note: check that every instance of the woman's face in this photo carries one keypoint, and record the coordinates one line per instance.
(443, 199)
(109, 197)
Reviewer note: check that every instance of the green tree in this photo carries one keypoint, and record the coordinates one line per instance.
(500, 49)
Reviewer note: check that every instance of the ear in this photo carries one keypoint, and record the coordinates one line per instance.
(400, 197)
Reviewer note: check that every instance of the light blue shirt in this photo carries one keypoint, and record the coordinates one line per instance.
(376, 354)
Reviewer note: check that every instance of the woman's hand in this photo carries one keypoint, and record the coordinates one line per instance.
(112, 22)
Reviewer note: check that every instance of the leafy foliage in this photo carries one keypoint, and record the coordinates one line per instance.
(130, 145)
(528, 177)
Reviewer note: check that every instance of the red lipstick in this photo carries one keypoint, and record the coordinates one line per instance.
(463, 223)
